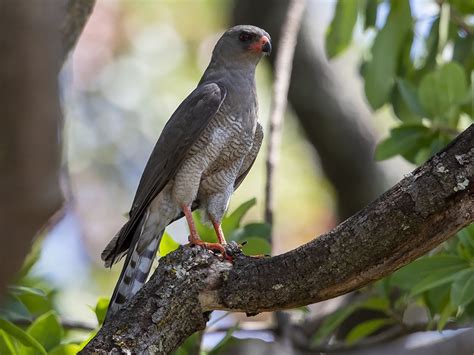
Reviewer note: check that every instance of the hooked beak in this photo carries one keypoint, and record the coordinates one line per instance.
(263, 45)
(266, 45)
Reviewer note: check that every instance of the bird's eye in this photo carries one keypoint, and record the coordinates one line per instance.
(245, 37)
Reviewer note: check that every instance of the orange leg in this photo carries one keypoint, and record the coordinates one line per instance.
(194, 238)
(219, 232)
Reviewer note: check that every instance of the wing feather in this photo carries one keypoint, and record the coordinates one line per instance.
(179, 134)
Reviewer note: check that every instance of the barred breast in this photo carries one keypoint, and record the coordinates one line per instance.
(211, 166)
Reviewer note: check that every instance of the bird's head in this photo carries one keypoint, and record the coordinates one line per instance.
(243, 43)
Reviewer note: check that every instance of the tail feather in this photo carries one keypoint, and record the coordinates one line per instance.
(134, 274)
(114, 251)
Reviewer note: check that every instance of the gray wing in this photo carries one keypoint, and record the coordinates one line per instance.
(179, 134)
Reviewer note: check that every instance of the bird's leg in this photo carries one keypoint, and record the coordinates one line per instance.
(194, 238)
(219, 232)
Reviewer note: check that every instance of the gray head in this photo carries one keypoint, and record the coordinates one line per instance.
(242, 43)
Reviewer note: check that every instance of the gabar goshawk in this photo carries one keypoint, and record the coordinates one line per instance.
(204, 152)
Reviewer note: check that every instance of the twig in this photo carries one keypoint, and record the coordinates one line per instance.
(283, 66)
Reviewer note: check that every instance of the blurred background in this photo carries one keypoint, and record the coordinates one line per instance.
(137, 60)
(134, 63)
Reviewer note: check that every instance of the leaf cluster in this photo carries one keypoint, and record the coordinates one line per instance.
(29, 322)
(429, 90)
(431, 95)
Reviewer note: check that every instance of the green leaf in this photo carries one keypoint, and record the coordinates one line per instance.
(436, 299)
(261, 230)
(410, 96)
(371, 13)
(366, 328)
(225, 342)
(438, 278)
(431, 44)
(65, 349)
(463, 53)
(101, 309)
(257, 246)
(381, 70)
(6, 344)
(36, 304)
(15, 309)
(464, 6)
(88, 339)
(31, 259)
(206, 232)
(232, 221)
(413, 274)
(377, 304)
(405, 66)
(167, 245)
(446, 313)
(462, 290)
(23, 290)
(331, 322)
(401, 110)
(443, 90)
(21, 336)
(189, 344)
(339, 34)
(402, 139)
(36, 300)
(466, 236)
(47, 330)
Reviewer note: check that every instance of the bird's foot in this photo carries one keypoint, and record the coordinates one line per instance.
(211, 246)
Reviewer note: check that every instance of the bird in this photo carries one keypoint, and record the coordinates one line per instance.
(203, 154)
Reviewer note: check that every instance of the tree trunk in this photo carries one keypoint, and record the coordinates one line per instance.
(34, 40)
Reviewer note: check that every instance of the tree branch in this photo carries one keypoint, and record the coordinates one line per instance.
(76, 14)
(417, 214)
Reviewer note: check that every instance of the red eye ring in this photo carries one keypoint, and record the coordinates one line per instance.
(245, 37)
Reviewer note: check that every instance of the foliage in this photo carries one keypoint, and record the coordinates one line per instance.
(29, 322)
(430, 94)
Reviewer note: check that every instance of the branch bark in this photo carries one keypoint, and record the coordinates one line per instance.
(420, 212)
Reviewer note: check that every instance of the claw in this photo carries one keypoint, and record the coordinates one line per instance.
(210, 246)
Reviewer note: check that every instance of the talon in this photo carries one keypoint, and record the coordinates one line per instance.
(211, 246)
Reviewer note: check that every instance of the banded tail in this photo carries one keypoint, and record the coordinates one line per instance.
(137, 264)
